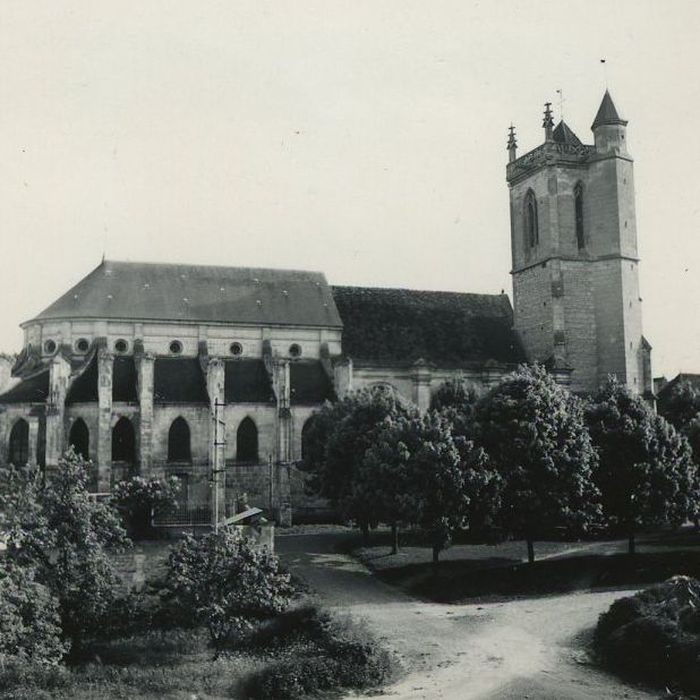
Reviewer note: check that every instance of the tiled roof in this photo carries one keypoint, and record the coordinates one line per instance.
(607, 113)
(33, 389)
(309, 383)
(247, 381)
(164, 292)
(563, 134)
(449, 329)
(179, 380)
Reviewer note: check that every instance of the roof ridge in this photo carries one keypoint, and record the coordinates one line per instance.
(207, 266)
(420, 291)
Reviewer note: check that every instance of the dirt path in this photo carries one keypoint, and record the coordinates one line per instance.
(516, 649)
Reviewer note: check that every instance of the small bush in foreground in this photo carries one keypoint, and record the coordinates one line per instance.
(342, 655)
(227, 583)
(655, 635)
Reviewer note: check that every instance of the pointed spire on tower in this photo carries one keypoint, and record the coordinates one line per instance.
(607, 113)
(512, 144)
(548, 122)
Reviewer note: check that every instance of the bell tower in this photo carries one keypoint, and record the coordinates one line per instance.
(574, 254)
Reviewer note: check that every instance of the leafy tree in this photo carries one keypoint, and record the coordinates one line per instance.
(335, 447)
(423, 474)
(535, 435)
(682, 406)
(456, 399)
(63, 534)
(646, 474)
(143, 499)
(226, 582)
(30, 624)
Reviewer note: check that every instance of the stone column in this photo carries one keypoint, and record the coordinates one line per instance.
(342, 377)
(421, 384)
(284, 444)
(59, 378)
(144, 378)
(33, 422)
(215, 372)
(105, 366)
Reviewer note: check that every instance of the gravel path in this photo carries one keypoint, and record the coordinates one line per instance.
(525, 648)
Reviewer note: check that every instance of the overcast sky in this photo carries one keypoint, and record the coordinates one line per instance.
(363, 138)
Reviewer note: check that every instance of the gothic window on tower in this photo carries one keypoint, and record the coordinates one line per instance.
(532, 235)
(578, 209)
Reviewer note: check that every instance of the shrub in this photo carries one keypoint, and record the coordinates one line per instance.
(30, 625)
(226, 582)
(345, 656)
(62, 534)
(655, 635)
(140, 500)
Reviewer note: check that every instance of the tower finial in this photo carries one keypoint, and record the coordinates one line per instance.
(548, 122)
(512, 144)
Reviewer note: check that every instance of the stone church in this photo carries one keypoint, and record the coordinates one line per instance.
(161, 369)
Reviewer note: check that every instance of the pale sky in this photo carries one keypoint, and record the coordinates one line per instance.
(363, 138)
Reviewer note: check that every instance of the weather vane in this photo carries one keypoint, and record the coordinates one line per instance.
(560, 92)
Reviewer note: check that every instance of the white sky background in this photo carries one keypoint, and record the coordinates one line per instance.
(363, 138)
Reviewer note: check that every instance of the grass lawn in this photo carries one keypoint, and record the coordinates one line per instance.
(471, 571)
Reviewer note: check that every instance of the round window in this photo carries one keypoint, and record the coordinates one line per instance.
(176, 347)
(50, 347)
(295, 350)
(236, 349)
(82, 345)
(121, 345)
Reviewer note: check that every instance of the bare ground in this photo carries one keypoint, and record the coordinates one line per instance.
(523, 648)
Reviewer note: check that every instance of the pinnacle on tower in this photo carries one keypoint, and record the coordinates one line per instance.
(548, 122)
(512, 144)
(607, 113)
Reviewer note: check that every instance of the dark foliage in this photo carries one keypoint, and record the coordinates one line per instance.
(646, 474)
(341, 654)
(534, 433)
(654, 635)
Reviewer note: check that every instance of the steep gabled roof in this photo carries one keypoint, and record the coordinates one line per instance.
(607, 113)
(448, 329)
(198, 293)
(563, 134)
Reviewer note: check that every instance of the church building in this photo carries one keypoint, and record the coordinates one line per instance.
(162, 369)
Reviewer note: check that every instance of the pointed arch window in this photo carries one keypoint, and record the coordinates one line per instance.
(179, 449)
(19, 443)
(532, 234)
(79, 439)
(578, 213)
(247, 442)
(123, 442)
(305, 435)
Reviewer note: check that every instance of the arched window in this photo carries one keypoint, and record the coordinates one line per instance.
(247, 442)
(305, 436)
(578, 209)
(532, 234)
(179, 441)
(123, 442)
(19, 443)
(79, 438)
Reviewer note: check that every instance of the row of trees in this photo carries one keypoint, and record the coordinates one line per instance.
(526, 458)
